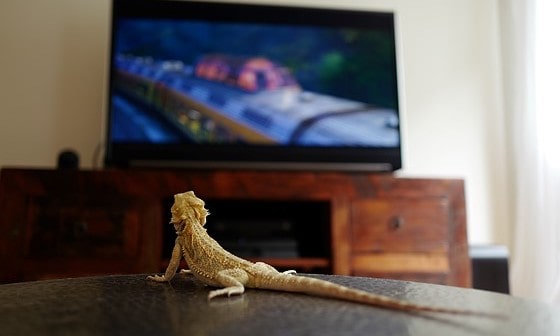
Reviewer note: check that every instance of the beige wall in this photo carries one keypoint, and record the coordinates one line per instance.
(53, 70)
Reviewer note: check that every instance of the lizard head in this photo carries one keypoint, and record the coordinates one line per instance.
(187, 208)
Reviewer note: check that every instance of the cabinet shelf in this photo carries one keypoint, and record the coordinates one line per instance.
(298, 264)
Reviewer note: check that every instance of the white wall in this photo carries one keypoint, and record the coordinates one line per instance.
(53, 70)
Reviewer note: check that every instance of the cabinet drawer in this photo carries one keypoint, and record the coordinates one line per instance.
(400, 225)
(76, 227)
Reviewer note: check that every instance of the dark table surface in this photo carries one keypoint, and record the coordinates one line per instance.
(130, 305)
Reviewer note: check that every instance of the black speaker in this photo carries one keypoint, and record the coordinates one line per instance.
(68, 159)
(490, 270)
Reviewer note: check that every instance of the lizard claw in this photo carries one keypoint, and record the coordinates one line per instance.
(228, 291)
(157, 278)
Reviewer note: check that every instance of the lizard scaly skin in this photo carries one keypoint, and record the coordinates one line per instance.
(216, 267)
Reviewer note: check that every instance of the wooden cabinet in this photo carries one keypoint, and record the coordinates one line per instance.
(73, 223)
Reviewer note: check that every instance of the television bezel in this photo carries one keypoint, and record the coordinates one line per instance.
(197, 155)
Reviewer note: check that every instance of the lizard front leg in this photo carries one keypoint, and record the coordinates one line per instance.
(172, 267)
(233, 280)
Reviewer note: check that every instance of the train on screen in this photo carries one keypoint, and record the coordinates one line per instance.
(247, 73)
(254, 100)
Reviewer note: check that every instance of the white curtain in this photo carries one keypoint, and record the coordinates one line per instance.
(531, 54)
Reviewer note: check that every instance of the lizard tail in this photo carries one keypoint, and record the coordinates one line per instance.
(322, 288)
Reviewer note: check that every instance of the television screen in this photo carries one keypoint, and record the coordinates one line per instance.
(195, 83)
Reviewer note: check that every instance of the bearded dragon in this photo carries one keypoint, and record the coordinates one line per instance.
(216, 267)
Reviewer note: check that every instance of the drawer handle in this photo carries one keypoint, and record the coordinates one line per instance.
(397, 223)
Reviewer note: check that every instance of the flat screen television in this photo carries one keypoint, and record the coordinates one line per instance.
(208, 84)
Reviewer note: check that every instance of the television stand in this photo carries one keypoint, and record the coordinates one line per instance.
(58, 223)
